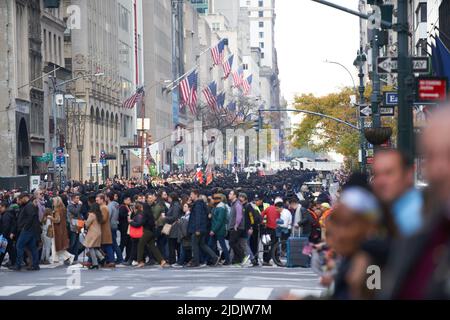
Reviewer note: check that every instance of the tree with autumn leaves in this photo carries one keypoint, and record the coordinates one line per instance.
(324, 135)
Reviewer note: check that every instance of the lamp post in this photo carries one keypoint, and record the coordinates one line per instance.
(79, 119)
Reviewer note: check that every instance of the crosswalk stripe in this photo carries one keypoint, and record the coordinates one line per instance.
(155, 291)
(105, 291)
(254, 293)
(55, 291)
(205, 292)
(10, 290)
(306, 292)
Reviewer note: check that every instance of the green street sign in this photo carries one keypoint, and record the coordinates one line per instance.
(46, 157)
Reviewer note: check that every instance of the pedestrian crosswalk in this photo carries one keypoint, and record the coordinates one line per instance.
(156, 292)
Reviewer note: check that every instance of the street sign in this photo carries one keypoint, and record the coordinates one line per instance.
(387, 111)
(102, 157)
(431, 89)
(390, 98)
(46, 157)
(60, 158)
(365, 111)
(390, 64)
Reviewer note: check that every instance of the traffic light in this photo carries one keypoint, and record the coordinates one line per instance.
(149, 140)
(257, 124)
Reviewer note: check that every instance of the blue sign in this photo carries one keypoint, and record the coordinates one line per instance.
(390, 98)
(102, 157)
(60, 158)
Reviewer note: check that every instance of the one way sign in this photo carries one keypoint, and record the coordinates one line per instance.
(365, 111)
(390, 65)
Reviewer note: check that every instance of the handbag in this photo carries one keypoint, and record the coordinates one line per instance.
(80, 224)
(136, 232)
(166, 229)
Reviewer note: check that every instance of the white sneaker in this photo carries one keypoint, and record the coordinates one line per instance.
(71, 259)
(134, 263)
(245, 260)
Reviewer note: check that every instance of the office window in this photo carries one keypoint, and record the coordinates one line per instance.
(262, 55)
(421, 13)
(261, 14)
(124, 18)
(261, 24)
(45, 44)
(421, 48)
(245, 66)
(215, 26)
(261, 34)
(249, 2)
(124, 54)
(260, 3)
(261, 45)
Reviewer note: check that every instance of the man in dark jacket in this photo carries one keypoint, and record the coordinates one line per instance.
(252, 222)
(29, 229)
(8, 225)
(198, 228)
(124, 213)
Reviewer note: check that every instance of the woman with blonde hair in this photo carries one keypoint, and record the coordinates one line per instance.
(61, 236)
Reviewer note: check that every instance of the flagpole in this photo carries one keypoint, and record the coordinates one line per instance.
(175, 83)
(143, 134)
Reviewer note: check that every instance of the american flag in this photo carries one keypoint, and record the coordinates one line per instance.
(231, 106)
(237, 77)
(240, 116)
(210, 93)
(188, 91)
(247, 84)
(135, 98)
(217, 52)
(227, 65)
(221, 100)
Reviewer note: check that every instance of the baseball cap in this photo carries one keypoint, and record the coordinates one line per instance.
(243, 195)
(325, 205)
(278, 200)
(361, 201)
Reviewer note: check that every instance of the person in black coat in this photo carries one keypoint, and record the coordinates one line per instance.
(29, 229)
(8, 227)
(172, 216)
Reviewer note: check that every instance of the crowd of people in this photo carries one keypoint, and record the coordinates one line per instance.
(382, 223)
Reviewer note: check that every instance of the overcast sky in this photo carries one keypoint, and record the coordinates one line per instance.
(306, 34)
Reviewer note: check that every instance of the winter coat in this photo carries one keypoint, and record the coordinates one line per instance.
(172, 217)
(74, 212)
(8, 223)
(113, 208)
(123, 218)
(157, 210)
(106, 226)
(28, 219)
(94, 235)
(148, 218)
(219, 220)
(198, 220)
(60, 229)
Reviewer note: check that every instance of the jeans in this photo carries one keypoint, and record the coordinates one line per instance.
(198, 243)
(213, 245)
(161, 242)
(174, 247)
(235, 245)
(27, 239)
(108, 248)
(74, 244)
(116, 247)
(185, 255)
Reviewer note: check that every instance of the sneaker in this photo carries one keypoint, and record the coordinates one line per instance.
(176, 265)
(134, 263)
(245, 260)
(15, 268)
(226, 263)
(237, 265)
(203, 265)
(36, 268)
(267, 264)
(193, 265)
(216, 263)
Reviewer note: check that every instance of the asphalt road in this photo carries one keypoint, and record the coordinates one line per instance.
(122, 283)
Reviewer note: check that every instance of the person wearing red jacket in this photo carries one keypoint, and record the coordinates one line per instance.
(270, 217)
